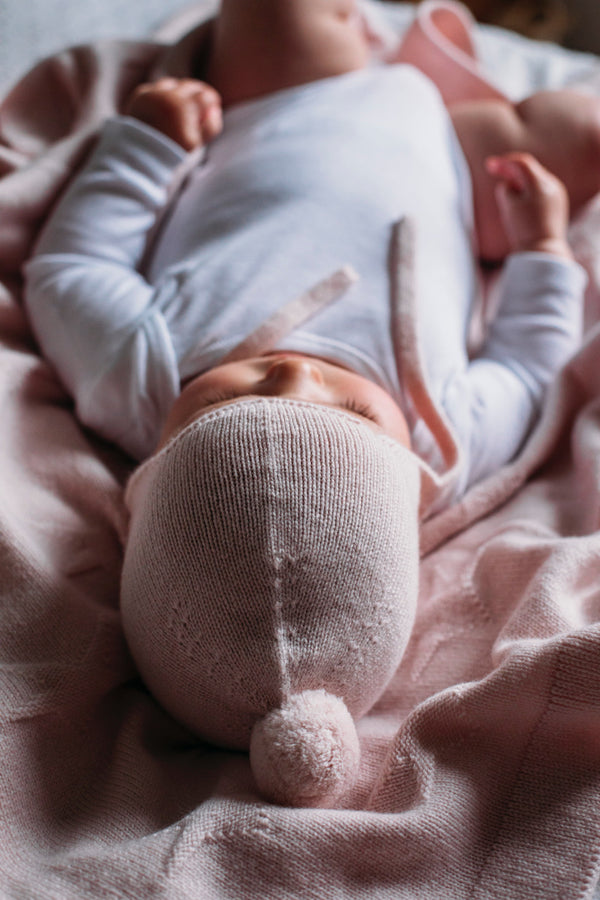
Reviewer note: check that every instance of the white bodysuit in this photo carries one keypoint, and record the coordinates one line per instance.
(298, 184)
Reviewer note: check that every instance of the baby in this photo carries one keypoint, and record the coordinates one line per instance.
(271, 567)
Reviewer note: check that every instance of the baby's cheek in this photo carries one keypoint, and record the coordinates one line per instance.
(393, 422)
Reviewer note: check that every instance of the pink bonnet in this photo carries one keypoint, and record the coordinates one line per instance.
(270, 583)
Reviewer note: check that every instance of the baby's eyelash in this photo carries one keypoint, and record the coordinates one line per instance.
(360, 409)
(221, 397)
(351, 404)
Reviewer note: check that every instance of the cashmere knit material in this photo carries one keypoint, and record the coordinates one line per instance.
(272, 550)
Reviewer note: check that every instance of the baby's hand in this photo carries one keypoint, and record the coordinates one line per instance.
(185, 110)
(533, 204)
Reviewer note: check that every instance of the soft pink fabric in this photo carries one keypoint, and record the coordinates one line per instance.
(439, 42)
(273, 549)
(309, 742)
(480, 773)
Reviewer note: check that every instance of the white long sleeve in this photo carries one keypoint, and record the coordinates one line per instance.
(493, 402)
(264, 219)
(97, 319)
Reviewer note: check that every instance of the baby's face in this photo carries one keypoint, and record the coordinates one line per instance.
(293, 376)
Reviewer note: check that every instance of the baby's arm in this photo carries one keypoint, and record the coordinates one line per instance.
(496, 400)
(97, 318)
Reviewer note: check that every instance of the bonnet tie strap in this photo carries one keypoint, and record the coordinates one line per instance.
(293, 314)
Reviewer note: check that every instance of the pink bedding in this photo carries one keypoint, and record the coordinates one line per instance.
(481, 763)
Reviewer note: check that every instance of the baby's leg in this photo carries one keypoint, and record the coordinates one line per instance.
(560, 128)
(260, 46)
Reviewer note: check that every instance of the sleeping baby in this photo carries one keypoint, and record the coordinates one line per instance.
(215, 290)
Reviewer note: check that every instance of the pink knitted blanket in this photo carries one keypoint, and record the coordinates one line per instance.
(481, 764)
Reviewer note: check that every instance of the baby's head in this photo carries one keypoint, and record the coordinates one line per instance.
(270, 580)
(293, 376)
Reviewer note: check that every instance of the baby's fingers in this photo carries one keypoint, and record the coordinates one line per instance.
(202, 107)
(532, 202)
(522, 171)
(186, 110)
(509, 170)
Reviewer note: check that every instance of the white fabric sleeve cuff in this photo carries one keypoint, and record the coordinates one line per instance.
(129, 139)
(539, 322)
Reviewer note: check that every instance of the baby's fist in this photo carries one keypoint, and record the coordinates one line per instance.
(532, 202)
(184, 109)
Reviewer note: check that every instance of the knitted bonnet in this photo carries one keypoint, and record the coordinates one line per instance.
(270, 582)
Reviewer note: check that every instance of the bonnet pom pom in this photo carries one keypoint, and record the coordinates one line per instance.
(306, 752)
